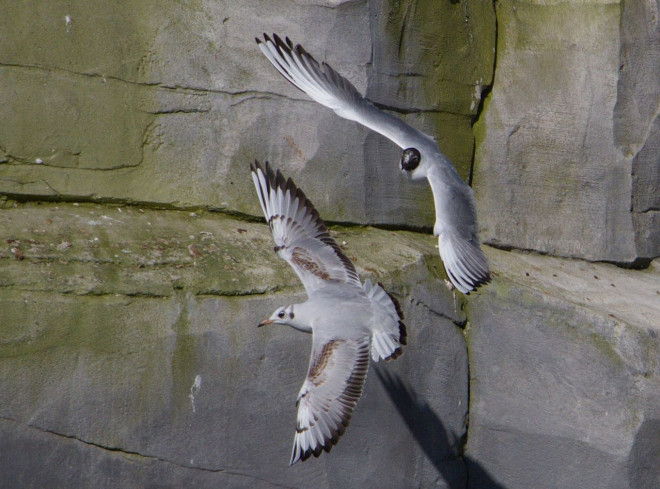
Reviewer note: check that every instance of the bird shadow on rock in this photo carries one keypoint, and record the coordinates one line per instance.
(644, 459)
(440, 445)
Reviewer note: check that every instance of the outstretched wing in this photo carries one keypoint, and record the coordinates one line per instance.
(327, 87)
(455, 226)
(336, 375)
(456, 229)
(300, 236)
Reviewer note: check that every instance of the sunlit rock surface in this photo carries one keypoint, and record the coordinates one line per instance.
(567, 146)
(167, 102)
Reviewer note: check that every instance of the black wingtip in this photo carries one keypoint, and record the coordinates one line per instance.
(279, 180)
(483, 281)
(275, 179)
(289, 184)
(476, 284)
(278, 40)
(257, 166)
(301, 51)
(316, 452)
(479, 283)
(403, 333)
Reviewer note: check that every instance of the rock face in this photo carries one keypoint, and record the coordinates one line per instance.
(567, 159)
(636, 121)
(168, 103)
(130, 357)
(564, 375)
(129, 353)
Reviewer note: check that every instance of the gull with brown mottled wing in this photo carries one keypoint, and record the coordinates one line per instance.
(348, 320)
(456, 220)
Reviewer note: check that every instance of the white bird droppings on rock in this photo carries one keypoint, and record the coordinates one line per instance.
(194, 389)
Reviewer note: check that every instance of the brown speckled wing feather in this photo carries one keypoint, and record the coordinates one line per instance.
(300, 235)
(336, 375)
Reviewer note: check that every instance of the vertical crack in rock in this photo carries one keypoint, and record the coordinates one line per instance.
(402, 32)
(486, 90)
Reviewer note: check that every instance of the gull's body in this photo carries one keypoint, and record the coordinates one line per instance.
(456, 224)
(348, 320)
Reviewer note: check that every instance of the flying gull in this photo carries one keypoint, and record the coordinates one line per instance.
(348, 320)
(455, 216)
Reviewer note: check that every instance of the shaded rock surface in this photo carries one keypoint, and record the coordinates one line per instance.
(130, 354)
(565, 375)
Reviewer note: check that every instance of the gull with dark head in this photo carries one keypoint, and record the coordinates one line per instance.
(348, 320)
(456, 223)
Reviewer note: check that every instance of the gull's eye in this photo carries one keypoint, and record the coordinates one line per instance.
(410, 159)
(280, 314)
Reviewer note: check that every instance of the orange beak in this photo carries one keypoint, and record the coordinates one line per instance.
(264, 323)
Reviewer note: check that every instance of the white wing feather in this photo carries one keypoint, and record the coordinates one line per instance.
(300, 236)
(464, 261)
(456, 229)
(336, 375)
(327, 87)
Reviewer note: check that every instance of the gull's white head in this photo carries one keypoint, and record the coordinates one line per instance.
(287, 316)
(283, 315)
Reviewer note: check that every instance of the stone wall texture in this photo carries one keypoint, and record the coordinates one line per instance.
(135, 265)
(567, 154)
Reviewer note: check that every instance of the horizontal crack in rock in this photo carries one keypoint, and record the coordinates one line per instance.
(136, 454)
